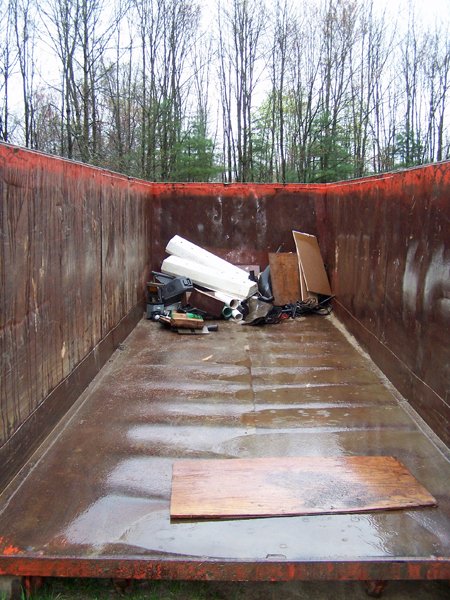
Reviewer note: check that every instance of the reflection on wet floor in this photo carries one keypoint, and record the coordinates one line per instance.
(297, 389)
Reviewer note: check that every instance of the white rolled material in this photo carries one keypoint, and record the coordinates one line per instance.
(178, 246)
(220, 280)
(232, 302)
(236, 315)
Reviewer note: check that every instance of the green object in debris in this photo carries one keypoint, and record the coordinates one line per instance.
(188, 315)
(226, 312)
(194, 316)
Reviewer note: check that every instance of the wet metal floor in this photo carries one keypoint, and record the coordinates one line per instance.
(95, 500)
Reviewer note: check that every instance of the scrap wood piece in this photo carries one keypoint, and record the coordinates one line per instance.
(265, 487)
(186, 321)
(284, 276)
(203, 331)
(207, 303)
(310, 263)
(305, 295)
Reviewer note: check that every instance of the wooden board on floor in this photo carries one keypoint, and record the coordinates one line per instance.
(263, 487)
(183, 321)
(284, 276)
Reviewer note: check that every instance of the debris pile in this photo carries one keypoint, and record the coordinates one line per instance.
(195, 286)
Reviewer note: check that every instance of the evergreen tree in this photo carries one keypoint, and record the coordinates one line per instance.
(195, 160)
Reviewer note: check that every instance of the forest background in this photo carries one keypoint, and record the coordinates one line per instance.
(227, 90)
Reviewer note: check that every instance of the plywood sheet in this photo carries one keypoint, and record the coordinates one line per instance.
(284, 275)
(262, 487)
(310, 261)
(305, 295)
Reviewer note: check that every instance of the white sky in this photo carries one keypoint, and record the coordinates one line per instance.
(428, 11)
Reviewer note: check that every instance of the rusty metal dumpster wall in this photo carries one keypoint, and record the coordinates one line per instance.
(389, 256)
(78, 243)
(75, 251)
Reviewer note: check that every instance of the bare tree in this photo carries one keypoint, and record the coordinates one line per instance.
(149, 18)
(79, 34)
(282, 41)
(168, 33)
(226, 89)
(306, 58)
(368, 59)
(413, 51)
(24, 15)
(121, 122)
(241, 27)
(437, 83)
(61, 20)
(8, 60)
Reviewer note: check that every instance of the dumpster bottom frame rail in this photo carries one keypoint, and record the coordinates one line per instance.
(220, 570)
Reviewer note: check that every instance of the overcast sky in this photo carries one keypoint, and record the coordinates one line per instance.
(428, 11)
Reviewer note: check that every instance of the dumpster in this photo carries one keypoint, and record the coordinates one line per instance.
(98, 403)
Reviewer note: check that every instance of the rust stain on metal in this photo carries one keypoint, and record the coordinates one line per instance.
(63, 289)
(387, 248)
(10, 550)
(7, 549)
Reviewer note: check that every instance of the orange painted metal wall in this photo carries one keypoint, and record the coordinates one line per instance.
(239, 222)
(75, 252)
(389, 255)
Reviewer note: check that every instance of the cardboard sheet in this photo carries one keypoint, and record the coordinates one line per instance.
(305, 295)
(311, 264)
(263, 487)
(285, 278)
